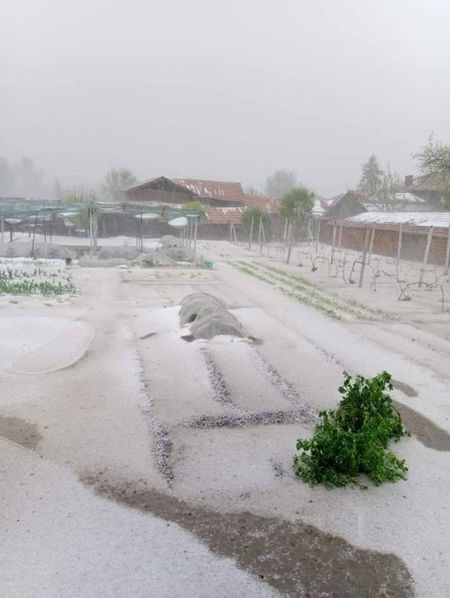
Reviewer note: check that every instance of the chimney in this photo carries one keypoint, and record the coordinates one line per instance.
(409, 180)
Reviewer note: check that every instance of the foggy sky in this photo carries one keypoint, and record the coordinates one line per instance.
(229, 89)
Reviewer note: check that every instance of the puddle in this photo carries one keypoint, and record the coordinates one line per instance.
(20, 431)
(423, 429)
(294, 558)
(404, 388)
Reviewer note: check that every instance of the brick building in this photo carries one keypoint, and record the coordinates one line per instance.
(386, 228)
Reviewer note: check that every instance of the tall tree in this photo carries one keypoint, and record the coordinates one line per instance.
(297, 204)
(386, 198)
(371, 179)
(7, 177)
(117, 181)
(280, 182)
(29, 180)
(57, 190)
(434, 159)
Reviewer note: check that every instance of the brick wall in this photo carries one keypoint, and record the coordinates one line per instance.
(386, 242)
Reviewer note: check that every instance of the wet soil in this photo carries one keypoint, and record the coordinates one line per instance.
(404, 388)
(296, 559)
(20, 431)
(423, 429)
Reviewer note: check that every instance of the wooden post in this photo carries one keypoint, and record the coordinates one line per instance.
(399, 246)
(291, 235)
(260, 236)
(425, 255)
(235, 235)
(372, 237)
(447, 251)
(34, 235)
(334, 242)
(364, 256)
(285, 232)
(250, 238)
(195, 235)
(95, 226)
(340, 236)
(317, 235)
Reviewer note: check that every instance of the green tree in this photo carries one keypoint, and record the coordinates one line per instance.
(297, 204)
(434, 159)
(194, 205)
(371, 179)
(29, 180)
(434, 162)
(256, 214)
(117, 181)
(280, 182)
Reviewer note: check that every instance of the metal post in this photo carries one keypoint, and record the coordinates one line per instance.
(447, 251)
(364, 256)
(425, 255)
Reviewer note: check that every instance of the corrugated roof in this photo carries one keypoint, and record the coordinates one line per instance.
(217, 189)
(218, 215)
(409, 219)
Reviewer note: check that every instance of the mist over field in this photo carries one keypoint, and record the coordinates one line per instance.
(229, 91)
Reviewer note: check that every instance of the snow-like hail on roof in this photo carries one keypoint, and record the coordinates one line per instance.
(217, 189)
(265, 203)
(230, 215)
(412, 219)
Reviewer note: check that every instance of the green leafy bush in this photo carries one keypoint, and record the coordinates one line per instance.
(354, 438)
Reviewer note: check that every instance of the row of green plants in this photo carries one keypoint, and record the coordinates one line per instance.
(16, 281)
(247, 268)
(350, 305)
(307, 293)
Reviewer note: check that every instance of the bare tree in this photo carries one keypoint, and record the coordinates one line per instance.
(280, 182)
(117, 181)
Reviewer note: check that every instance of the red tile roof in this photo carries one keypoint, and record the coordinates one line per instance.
(265, 203)
(217, 189)
(224, 215)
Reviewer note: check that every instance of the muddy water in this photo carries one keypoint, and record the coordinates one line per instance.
(294, 558)
(20, 431)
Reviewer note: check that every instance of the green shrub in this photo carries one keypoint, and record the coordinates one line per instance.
(354, 438)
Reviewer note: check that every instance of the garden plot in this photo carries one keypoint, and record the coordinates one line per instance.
(176, 429)
(29, 277)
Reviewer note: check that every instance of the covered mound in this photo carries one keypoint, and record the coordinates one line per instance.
(40, 250)
(208, 317)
